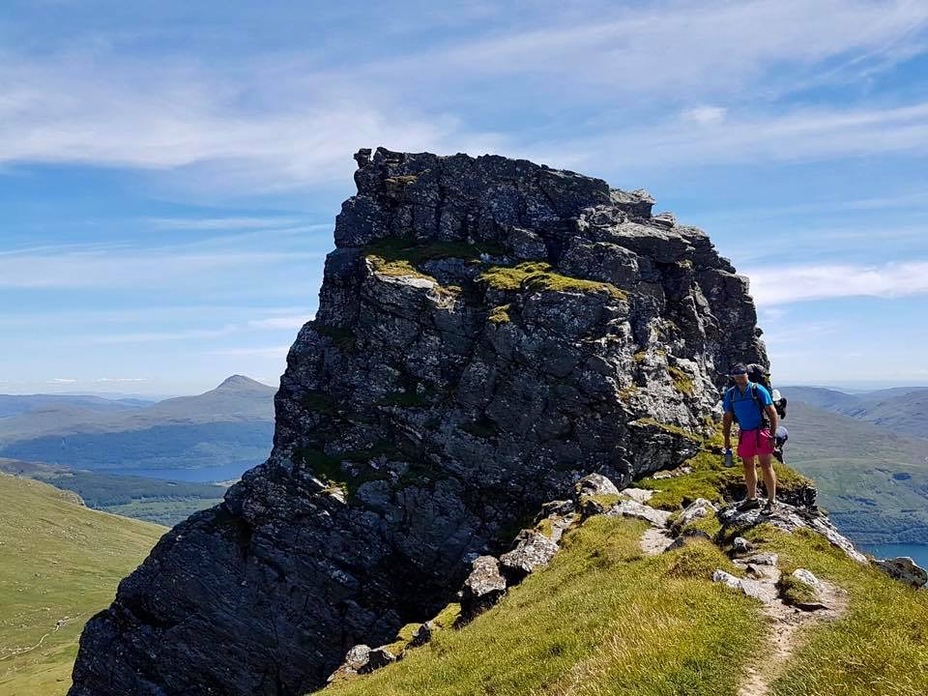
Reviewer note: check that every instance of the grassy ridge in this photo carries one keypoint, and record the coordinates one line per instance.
(602, 619)
(60, 563)
(879, 647)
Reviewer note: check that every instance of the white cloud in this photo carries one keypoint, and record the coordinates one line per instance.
(270, 121)
(117, 268)
(232, 223)
(775, 286)
(291, 322)
(120, 380)
(705, 114)
(271, 352)
(62, 380)
(800, 135)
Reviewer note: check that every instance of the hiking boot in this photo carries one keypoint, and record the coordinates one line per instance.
(769, 507)
(748, 504)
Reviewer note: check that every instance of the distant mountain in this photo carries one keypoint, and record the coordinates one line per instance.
(901, 410)
(15, 404)
(872, 481)
(231, 425)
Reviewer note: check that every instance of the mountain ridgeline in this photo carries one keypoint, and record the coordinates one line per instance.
(489, 331)
(227, 426)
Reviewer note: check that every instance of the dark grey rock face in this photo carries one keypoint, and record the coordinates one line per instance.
(489, 332)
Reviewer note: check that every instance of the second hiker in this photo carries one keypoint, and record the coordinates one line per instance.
(750, 406)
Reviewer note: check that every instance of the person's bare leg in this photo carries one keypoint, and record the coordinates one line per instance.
(770, 477)
(750, 477)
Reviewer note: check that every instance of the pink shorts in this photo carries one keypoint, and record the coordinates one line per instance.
(754, 442)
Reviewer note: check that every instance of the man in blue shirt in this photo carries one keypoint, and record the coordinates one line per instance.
(746, 403)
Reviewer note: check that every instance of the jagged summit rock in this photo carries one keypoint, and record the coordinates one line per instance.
(489, 332)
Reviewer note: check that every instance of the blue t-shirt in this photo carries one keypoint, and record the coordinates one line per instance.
(744, 407)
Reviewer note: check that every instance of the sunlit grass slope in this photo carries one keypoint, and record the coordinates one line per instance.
(879, 647)
(602, 619)
(60, 563)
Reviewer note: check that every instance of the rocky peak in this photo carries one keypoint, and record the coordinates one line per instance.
(489, 332)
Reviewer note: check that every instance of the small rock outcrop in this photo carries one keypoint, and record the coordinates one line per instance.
(489, 331)
(903, 569)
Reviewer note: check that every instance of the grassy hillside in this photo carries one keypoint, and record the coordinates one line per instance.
(153, 500)
(604, 618)
(60, 563)
(874, 483)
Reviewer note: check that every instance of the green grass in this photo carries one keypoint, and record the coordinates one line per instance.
(682, 382)
(710, 480)
(60, 563)
(163, 512)
(537, 275)
(879, 647)
(394, 249)
(499, 315)
(602, 619)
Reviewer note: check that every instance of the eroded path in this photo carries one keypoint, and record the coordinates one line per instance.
(787, 625)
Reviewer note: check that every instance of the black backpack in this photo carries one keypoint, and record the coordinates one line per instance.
(758, 375)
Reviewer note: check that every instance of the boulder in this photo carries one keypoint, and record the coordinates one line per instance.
(903, 569)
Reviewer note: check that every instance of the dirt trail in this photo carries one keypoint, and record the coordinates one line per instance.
(786, 628)
(786, 624)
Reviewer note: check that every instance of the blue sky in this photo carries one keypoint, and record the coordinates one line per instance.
(170, 172)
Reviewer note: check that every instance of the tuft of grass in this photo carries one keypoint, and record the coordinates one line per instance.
(499, 315)
(699, 558)
(538, 275)
(601, 619)
(60, 564)
(793, 590)
(879, 647)
(669, 428)
(397, 267)
(394, 249)
(682, 382)
(319, 401)
(710, 480)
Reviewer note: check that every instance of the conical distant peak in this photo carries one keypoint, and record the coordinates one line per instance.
(239, 382)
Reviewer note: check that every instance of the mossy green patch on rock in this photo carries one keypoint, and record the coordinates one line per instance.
(499, 314)
(397, 268)
(668, 428)
(538, 275)
(393, 249)
(682, 381)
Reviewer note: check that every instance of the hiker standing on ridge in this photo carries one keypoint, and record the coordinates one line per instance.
(747, 403)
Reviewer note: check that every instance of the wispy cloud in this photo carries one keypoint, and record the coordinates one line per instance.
(291, 322)
(231, 223)
(279, 120)
(121, 269)
(270, 352)
(801, 135)
(121, 380)
(775, 286)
